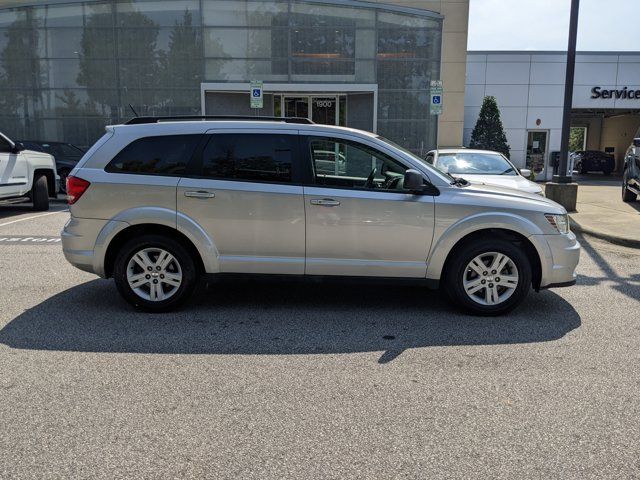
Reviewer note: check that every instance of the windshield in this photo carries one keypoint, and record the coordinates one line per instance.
(469, 163)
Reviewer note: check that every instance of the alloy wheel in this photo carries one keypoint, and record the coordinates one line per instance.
(490, 278)
(154, 274)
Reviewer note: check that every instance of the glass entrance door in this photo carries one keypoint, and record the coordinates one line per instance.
(296, 107)
(324, 110)
(537, 152)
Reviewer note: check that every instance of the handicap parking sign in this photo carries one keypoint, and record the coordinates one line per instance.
(255, 92)
(436, 97)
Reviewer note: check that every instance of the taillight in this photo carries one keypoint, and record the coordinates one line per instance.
(75, 188)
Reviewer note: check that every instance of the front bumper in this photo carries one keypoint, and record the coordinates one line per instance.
(559, 257)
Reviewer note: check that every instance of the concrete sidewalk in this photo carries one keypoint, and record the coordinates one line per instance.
(602, 213)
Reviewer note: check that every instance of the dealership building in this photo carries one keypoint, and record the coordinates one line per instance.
(68, 68)
(529, 88)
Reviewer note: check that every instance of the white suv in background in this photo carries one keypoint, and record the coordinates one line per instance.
(160, 201)
(26, 175)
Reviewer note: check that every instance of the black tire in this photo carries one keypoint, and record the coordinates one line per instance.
(40, 193)
(457, 270)
(64, 173)
(184, 259)
(627, 195)
(583, 170)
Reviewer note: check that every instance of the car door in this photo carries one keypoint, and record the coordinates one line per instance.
(13, 170)
(361, 221)
(244, 193)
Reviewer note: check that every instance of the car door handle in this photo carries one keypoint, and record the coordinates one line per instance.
(199, 194)
(325, 202)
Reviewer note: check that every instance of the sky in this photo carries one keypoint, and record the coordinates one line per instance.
(604, 25)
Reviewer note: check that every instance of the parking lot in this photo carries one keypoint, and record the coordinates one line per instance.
(281, 379)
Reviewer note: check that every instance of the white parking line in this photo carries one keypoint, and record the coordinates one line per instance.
(32, 217)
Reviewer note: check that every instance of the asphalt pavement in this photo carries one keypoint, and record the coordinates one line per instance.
(260, 380)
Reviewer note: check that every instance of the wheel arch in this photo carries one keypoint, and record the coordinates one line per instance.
(514, 229)
(132, 231)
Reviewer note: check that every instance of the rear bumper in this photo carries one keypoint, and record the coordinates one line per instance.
(83, 242)
(559, 257)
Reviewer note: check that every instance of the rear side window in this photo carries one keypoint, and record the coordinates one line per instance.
(167, 155)
(249, 157)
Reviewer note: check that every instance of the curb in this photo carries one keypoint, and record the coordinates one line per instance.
(624, 242)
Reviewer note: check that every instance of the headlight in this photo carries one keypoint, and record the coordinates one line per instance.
(559, 222)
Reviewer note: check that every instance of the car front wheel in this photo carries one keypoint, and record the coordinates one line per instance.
(627, 195)
(488, 277)
(40, 193)
(154, 273)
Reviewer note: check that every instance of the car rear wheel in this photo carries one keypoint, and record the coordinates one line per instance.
(488, 277)
(40, 193)
(154, 273)
(627, 195)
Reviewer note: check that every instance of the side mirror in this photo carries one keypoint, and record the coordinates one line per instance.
(525, 172)
(18, 147)
(636, 142)
(413, 180)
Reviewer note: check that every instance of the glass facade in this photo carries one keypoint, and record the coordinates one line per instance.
(67, 70)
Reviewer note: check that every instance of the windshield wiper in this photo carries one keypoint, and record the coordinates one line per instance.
(507, 171)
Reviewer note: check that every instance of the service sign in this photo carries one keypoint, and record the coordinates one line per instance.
(436, 97)
(255, 93)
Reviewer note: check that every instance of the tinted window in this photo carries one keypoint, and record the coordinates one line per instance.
(5, 147)
(251, 157)
(62, 150)
(155, 155)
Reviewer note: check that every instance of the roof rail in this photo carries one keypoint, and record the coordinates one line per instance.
(143, 120)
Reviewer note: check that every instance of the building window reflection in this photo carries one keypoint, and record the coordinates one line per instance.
(66, 70)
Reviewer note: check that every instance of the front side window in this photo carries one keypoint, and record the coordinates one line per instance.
(341, 163)
(166, 155)
(468, 163)
(5, 147)
(249, 157)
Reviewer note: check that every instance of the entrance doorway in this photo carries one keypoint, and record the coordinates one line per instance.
(349, 105)
(323, 109)
(537, 143)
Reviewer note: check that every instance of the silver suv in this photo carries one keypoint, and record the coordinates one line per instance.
(157, 202)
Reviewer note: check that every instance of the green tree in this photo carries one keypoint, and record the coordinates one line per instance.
(21, 73)
(576, 139)
(488, 133)
(182, 67)
(132, 68)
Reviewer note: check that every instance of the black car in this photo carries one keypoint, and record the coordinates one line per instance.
(594, 161)
(67, 156)
(631, 175)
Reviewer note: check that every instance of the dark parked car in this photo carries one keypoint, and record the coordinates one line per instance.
(594, 161)
(631, 175)
(66, 155)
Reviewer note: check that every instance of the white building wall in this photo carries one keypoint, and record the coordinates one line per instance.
(529, 88)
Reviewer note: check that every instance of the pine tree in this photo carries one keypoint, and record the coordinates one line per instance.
(488, 133)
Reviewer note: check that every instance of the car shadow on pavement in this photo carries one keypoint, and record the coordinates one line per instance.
(260, 317)
(627, 286)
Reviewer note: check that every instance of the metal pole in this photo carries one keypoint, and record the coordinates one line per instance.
(564, 176)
